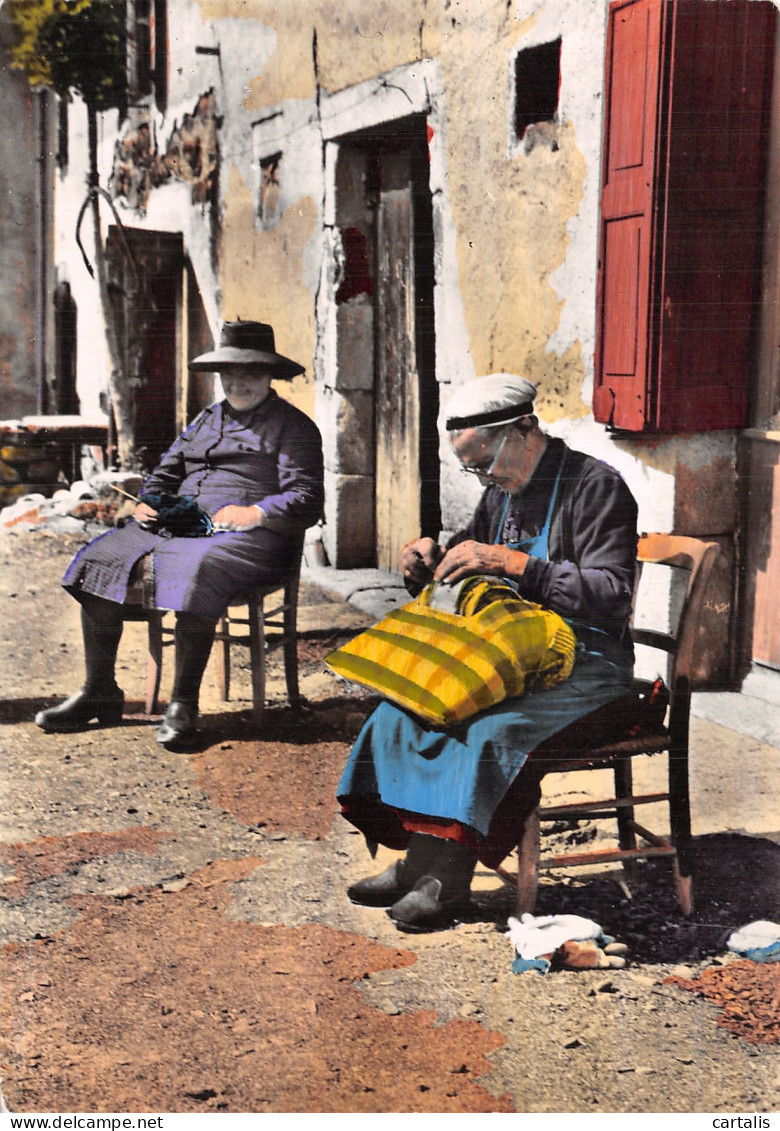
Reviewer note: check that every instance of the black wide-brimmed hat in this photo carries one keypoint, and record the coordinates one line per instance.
(248, 343)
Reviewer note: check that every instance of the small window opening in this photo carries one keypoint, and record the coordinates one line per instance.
(268, 209)
(160, 61)
(147, 39)
(145, 45)
(537, 85)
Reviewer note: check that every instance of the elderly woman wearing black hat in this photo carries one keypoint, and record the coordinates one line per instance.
(562, 527)
(253, 465)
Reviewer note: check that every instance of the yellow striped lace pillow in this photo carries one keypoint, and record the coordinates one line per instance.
(446, 667)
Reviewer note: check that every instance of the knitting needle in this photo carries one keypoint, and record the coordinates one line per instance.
(126, 494)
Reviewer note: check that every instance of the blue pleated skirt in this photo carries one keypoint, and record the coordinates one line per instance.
(462, 773)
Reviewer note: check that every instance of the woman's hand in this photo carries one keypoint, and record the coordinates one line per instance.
(143, 514)
(418, 560)
(238, 518)
(468, 558)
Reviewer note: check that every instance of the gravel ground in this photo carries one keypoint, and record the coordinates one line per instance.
(177, 937)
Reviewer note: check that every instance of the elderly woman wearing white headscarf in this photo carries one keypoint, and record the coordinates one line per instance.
(561, 526)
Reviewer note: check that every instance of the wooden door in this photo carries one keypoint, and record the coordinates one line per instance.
(156, 424)
(145, 272)
(406, 403)
(397, 402)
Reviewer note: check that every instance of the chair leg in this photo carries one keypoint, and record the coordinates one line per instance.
(684, 888)
(291, 644)
(528, 864)
(680, 820)
(223, 666)
(154, 662)
(257, 657)
(624, 784)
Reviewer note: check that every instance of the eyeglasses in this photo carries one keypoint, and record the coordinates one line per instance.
(487, 472)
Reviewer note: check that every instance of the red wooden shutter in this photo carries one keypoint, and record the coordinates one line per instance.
(719, 85)
(634, 40)
(687, 115)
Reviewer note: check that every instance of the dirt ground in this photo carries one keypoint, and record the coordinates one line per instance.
(178, 938)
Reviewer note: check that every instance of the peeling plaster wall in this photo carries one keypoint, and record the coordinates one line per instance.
(515, 225)
(515, 259)
(505, 221)
(515, 232)
(169, 208)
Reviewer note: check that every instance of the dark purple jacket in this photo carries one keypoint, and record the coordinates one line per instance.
(271, 456)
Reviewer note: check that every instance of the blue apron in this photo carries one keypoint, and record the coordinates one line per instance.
(538, 546)
(590, 639)
(462, 773)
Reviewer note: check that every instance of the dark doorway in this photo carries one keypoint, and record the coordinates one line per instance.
(155, 427)
(160, 323)
(384, 213)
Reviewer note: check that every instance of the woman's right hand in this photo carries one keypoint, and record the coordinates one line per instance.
(418, 560)
(144, 513)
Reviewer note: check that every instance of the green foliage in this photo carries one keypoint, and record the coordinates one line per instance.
(27, 18)
(72, 46)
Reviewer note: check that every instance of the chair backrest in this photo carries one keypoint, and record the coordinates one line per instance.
(696, 557)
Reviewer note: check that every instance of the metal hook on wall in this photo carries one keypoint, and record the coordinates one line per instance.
(96, 190)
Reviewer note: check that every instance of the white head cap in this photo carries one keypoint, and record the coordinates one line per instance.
(497, 399)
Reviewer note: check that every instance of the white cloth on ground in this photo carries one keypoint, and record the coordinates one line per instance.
(534, 935)
(759, 940)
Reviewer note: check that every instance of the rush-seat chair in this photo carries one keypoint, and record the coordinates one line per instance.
(281, 619)
(634, 726)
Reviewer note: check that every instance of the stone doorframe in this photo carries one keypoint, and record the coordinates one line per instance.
(344, 364)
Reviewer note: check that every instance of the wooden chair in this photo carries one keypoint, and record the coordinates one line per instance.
(632, 730)
(281, 619)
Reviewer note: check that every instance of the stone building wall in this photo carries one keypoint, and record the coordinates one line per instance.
(18, 193)
(515, 226)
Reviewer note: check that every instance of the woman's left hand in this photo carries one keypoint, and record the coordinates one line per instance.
(238, 518)
(468, 558)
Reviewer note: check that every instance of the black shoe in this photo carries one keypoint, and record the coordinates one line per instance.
(178, 726)
(384, 890)
(75, 713)
(425, 907)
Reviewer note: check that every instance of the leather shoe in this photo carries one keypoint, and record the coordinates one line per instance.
(178, 725)
(75, 713)
(383, 890)
(425, 908)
